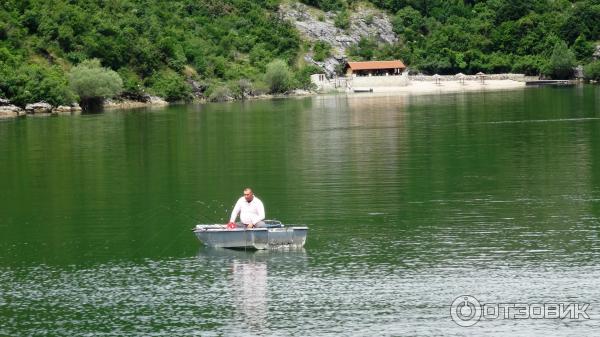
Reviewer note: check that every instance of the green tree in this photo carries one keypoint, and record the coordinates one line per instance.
(327, 5)
(93, 83)
(24, 82)
(408, 20)
(582, 48)
(170, 85)
(364, 50)
(561, 62)
(509, 10)
(592, 71)
(278, 76)
(529, 65)
(152, 43)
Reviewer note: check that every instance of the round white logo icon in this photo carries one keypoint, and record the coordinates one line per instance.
(465, 310)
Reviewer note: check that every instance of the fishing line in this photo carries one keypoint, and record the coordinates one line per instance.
(153, 213)
(206, 218)
(172, 242)
(180, 210)
(143, 218)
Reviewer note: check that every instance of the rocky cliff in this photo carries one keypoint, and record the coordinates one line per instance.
(315, 25)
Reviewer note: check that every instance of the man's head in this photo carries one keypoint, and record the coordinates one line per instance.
(248, 194)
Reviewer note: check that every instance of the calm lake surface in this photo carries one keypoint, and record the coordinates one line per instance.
(411, 202)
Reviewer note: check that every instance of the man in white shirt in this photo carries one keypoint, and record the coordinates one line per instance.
(250, 209)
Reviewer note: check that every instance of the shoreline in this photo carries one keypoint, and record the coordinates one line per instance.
(122, 104)
(414, 87)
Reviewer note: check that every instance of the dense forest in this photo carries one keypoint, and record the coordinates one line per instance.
(219, 48)
(494, 36)
(154, 46)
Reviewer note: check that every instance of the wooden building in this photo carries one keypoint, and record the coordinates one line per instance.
(374, 68)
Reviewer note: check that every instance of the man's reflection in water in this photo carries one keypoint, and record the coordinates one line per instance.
(250, 291)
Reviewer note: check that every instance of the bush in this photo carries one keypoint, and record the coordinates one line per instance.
(322, 50)
(529, 65)
(592, 71)
(132, 84)
(53, 87)
(260, 88)
(30, 83)
(302, 77)
(241, 88)
(278, 76)
(220, 94)
(342, 19)
(170, 85)
(93, 83)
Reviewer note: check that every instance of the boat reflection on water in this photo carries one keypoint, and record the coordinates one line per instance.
(250, 291)
(249, 287)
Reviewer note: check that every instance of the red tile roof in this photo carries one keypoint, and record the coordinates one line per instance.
(368, 65)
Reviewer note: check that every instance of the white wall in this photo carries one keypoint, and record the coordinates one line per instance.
(379, 81)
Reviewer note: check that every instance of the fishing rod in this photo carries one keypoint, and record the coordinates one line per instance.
(198, 219)
(215, 208)
(201, 217)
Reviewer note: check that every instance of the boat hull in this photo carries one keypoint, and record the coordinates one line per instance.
(252, 238)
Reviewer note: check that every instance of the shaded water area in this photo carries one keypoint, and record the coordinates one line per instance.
(411, 202)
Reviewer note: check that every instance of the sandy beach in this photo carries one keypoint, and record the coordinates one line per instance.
(429, 87)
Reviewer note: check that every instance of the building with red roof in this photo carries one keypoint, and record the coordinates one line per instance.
(374, 68)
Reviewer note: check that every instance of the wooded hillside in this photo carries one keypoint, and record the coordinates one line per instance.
(179, 47)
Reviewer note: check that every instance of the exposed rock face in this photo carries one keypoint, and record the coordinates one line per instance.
(8, 110)
(149, 101)
(596, 54)
(62, 108)
(67, 109)
(7, 114)
(155, 100)
(364, 22)
(578, 71)
(198, 88)
(38, 108)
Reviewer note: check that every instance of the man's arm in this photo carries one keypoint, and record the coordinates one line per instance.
(261, 212)
(235, 212)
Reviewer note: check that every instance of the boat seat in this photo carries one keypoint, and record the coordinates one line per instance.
(273, 224)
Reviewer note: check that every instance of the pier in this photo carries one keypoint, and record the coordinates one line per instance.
(549, 82)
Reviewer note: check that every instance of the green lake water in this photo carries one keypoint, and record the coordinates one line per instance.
(411, 201)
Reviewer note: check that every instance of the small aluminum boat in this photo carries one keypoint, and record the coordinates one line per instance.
(275, 235)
